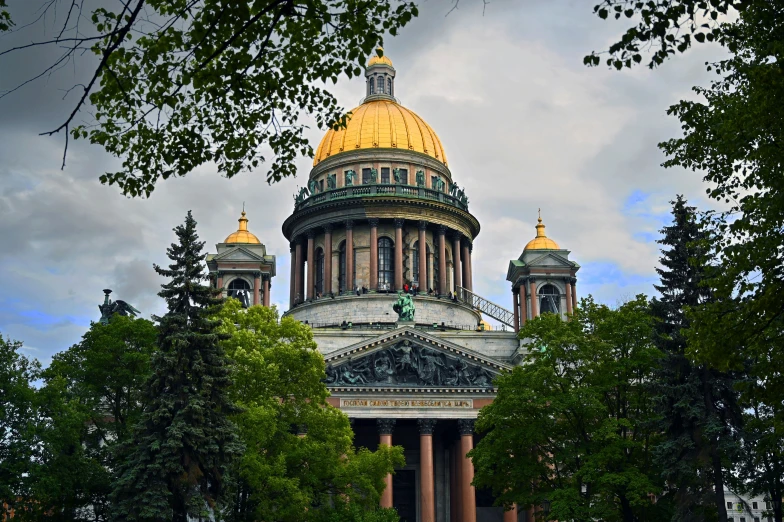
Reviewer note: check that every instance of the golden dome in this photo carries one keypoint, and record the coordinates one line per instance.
(541, 241)
(242, 235)
(381, 124)
(484, 326)
(376, 60)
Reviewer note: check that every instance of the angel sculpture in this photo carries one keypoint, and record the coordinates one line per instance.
(109, 308)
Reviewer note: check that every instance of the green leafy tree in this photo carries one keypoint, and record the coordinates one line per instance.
(184, 442)
(18, 414)
(699, 413)
(180, 83)
(571, 428)
(299, 459)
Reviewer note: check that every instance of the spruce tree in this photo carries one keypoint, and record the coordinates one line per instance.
(184, 441)
(697, 405)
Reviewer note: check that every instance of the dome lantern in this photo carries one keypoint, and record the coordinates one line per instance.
(380, 78)
(242, 235)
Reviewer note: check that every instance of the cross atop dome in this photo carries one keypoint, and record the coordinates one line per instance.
(380, 78)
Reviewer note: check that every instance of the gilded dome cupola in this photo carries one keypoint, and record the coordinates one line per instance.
(541, 241)
(242, 235)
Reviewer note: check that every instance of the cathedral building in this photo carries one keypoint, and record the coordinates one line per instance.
(383, 220)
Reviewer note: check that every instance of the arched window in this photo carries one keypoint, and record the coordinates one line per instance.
(389, 86)
(386, 264)
(319, 271)
(342, 268)
(380, 84)
(240, 289)
(415, 252)
(549, 299)
(371, 86)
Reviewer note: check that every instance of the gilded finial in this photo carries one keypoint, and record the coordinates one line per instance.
(243, 220)
(540, 215)
(540, 226)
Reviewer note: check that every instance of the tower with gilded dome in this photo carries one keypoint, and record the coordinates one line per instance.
(241, 267)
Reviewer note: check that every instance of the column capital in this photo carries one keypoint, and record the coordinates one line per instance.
(327, 228)
(349, 224)
(465, 426)
(373, 222)
(441, 230)
(516, 290)
(385, 426)
(311, 233)
(573, 280)
(426, 426)
(293, 243)
(399, 222)
(455, 235)
(423, 225)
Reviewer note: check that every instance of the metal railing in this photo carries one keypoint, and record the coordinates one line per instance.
(481, 304)
(382, 189)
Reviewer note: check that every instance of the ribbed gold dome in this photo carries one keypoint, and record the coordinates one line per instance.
(541, 241)
(382, 124)
(242, 235)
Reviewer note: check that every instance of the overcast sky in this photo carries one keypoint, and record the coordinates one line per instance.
(525, 126)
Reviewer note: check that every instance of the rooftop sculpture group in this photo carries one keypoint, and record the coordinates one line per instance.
(109, 308)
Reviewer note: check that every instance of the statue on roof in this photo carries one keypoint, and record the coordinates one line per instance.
(404, 307)
(373, 175)
(109, 308)
(332, 181)
(396, 175)
(312, 186)
(350, 175)
(420, 178)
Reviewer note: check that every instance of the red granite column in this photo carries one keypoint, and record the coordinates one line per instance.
(292, 280)
(256, 288)
(327, 259)
(470, 261)
(534, 304)
(458, 267)
(298, 271)
(442, 260)
(385, 427)
(574, 294)
(349, 256)
(511, 515)
(468, 492)
(373, 254)
(457, 476)
(516, 308)
(311, 265)
(267, 291)
(399, 254)
(523, 307)
(427, 502)
(422, 257)
(569, 308)
(219, 282)
(467, 266)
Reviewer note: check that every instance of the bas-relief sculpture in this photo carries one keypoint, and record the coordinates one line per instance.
(404, 307)
(410, 364)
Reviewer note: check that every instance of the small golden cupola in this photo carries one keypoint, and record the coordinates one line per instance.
(541, 241)
(242, 235)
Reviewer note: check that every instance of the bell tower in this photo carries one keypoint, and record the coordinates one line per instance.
(543, 279)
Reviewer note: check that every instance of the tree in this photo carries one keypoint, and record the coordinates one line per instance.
(697, 406)
(179, 83)
(184, 443)
(299, 459)
(17, 423)
(572, 426)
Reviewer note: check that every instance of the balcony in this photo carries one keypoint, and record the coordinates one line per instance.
(374, 190)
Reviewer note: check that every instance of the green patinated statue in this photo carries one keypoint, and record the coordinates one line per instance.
(420, 178)
(350, 175)
(109, 308)
(373, 175)
(404, 307)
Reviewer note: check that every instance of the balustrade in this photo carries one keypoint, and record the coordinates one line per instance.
(358, 191)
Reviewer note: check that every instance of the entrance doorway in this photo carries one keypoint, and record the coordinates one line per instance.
(404, 488)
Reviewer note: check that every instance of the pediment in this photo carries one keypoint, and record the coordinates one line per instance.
(549, 259)
(238, 254)
(408, 359)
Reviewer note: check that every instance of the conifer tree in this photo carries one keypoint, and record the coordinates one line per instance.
(697, 405)
(184, 441)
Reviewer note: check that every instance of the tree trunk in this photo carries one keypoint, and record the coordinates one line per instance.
(718, 476)
(626, 509)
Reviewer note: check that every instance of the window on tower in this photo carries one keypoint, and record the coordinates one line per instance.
(365, 176)
(550, 299)
(380, 84)
(403, 173)
(239, 289)
(384, 174)
(371, 86)
(389, 86)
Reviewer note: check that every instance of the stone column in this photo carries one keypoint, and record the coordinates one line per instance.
(299, 260)
(422, 257)
(349, 256)
(311, 265)
(292, 280)
(266, 296)
(574, 294)
(523, 305)
(442, 260)
(534, 304)
(385, 428)
(256, 288)
(327, 259)
(516, 308)
(374, 254)
(467, 266)
(458, 267)
(470, 262)
(427, 499)
(219, 282)
(467, 491)
(511, 515)
(569, 308)
(399, 254)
